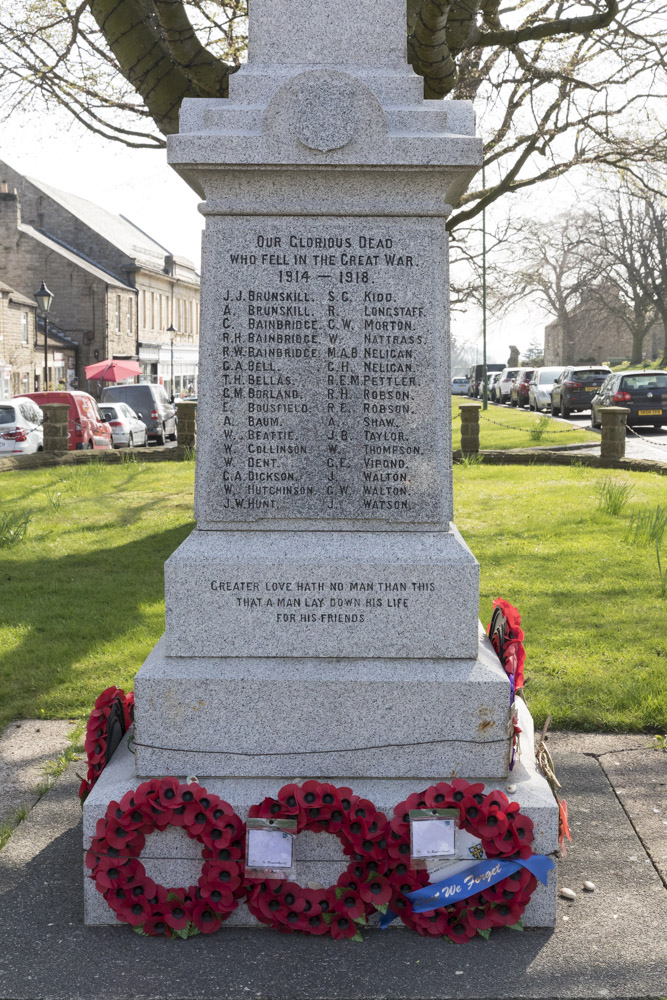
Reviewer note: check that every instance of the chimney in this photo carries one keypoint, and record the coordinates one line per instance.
(10, 207)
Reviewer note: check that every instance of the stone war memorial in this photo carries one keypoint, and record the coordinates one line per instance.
(323, 736)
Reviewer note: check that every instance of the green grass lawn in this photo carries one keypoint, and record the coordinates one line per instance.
(81, 598)
(515, 429)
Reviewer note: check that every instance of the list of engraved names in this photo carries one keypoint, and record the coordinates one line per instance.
(324, 372)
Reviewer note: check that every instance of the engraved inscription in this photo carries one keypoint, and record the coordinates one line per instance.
(325, 371)
(330, 602)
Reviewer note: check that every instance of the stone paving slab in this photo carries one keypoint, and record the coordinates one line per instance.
(610, 943)
(25, 748)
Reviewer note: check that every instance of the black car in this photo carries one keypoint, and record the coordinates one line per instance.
(574, 389)
(643, 392)
(476, 376)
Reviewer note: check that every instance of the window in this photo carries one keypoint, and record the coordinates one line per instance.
(143, 309)
(118, 313)
(161, 324)
(152, 310)
(24, 328)
(129, 315)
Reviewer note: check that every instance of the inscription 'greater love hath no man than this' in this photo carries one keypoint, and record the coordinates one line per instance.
(325, 371)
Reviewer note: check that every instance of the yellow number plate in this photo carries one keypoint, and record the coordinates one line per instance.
(649, 413)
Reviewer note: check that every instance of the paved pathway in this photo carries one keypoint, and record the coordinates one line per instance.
(25, 748)
(610, 943)
(646, 443)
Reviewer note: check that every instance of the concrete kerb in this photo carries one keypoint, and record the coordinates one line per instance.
(608, 943)
(538, 456)
(45, 460)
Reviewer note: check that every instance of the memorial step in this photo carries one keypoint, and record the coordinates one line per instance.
(173, 859)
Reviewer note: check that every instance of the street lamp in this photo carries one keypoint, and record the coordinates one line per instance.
(171, 330)
(44, 298)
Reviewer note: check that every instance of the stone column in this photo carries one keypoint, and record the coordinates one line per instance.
(325, 607)
(613, 420)
(56, 426)
(470, 428)
(187, 428)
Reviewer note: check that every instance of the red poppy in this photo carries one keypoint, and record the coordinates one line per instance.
(349, 903)
(309, 795)
(288, 796)
(176, 914)
(205, 918)
(506, 914)
(314, 923)
(342, 927)
(269, 905)
(217, 894)
(431, 924)
(459, 928)
(137, 911)
(157, 926)
(436, 795)
(493, 825)
(377, 891)
(523, 827)
(478, 916)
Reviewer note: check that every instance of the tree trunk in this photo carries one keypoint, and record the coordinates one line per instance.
(638, 338)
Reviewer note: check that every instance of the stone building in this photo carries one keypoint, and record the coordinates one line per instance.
(597, 335)
(22, 347)
(116, 290)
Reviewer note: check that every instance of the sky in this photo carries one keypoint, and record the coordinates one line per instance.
(140, 185)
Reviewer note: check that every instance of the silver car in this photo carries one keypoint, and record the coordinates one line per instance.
(502, 389)
(539, 390)
(21, 431)
(127, 428)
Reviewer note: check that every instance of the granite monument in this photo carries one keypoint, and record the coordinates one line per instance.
(322, 618)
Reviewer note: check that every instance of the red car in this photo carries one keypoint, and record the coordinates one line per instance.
(520, 387)
(87, 428)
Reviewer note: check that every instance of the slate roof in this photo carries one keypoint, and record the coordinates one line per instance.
(116, 229)
(98, 272)
(15, 296)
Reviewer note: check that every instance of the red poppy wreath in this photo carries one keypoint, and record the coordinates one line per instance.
(119, 875)
(504, 833)
(342, 909)
(109, 721)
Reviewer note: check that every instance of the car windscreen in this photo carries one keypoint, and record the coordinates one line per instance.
(590, 375)
(649, 381)
(109, 411)
(7, 415)
(549, 376)
(511, 373)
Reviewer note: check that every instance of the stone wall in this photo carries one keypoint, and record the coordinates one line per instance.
(84, 305)
(599, 336)
(16, 317)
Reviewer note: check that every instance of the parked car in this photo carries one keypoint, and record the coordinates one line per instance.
(21, 431)
(157, 411)
(643, 392)
(575, 387)
(87, 428)
(127, 427)
(460, 386)
(520, 387)
(541, 384)
(476, 376)
(503, 387)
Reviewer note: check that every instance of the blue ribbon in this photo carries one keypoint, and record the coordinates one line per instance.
(470, 881)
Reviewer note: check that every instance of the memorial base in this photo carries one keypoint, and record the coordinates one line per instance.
(173, 859)
(280, 716)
